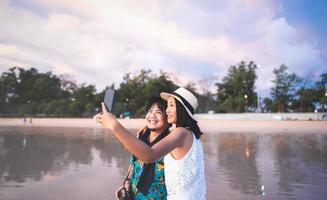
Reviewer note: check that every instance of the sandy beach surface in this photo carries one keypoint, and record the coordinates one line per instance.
(206, 125)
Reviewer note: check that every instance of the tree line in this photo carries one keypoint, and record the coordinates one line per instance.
(28, 92)
(290, 93)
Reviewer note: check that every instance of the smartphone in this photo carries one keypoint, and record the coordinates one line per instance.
(109, 99)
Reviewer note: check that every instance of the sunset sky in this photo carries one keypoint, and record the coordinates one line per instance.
(98, 41)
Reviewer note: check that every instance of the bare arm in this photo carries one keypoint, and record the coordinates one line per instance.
(138, 148)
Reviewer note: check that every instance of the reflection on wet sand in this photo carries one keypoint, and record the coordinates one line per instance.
(81, 163)
(32, 155)
(276, 166)
(301, 164)
(237, 157)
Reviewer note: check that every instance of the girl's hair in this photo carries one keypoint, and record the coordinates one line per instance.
(184, 120)
(154, 100)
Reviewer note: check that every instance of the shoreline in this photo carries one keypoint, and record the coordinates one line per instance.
(206, 125)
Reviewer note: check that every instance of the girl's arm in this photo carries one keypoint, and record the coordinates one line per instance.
(138, 148)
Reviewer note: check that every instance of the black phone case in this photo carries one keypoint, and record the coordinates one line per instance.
(109, 99)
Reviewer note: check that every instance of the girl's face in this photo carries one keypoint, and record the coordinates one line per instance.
(155, 118)
(171, 110)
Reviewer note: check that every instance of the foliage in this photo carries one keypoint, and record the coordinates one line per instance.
(29, 92)
(321, 91)
(135, 92)
(236, 92)
(283, 91)
(26, 92)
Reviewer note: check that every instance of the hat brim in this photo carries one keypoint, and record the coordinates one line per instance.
(165, 96)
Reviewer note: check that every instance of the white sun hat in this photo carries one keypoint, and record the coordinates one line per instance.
(185, 97)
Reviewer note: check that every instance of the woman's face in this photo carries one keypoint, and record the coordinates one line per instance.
(171, 110)
(155, 118)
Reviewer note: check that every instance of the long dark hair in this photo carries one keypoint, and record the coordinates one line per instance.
(184, 120)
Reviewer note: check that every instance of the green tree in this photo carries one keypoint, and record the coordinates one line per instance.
(37, 87)
(28, 91)
(236, 92)
(134, 92)
(269, 105)
(283, 91)
(306, 96)
(24, 90)
(305, 101)
(83, 101)
(8, 85)
(321, 91)
(58, 108)
(130, 96)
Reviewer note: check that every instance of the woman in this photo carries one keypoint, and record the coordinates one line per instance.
(184, 165)
(147, 181)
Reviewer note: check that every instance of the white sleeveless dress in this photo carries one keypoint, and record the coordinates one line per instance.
(185, 179)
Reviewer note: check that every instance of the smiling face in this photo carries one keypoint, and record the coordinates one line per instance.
(156, 118)
(171, 110)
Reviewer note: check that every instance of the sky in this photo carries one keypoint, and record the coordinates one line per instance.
(99, 41)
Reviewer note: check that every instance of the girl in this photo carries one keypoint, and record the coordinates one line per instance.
(182, 148)
(147, 181)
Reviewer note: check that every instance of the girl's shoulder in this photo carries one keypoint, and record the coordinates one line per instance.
(181, 131)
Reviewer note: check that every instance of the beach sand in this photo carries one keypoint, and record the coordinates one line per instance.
(206, 125)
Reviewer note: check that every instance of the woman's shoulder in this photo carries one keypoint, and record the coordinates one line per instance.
(181, 131)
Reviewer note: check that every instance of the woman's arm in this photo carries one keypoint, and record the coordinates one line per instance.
(138, 148)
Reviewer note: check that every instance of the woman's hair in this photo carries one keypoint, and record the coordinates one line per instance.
(162, 104)
(184, 120)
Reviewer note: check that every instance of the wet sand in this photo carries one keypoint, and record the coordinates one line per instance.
(206, 125)
(53, 160)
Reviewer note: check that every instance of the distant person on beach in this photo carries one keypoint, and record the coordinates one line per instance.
(24, 120)
(181, 148)
(31, 120)
(147, 180)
